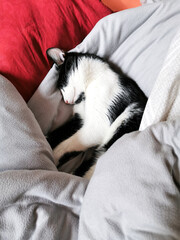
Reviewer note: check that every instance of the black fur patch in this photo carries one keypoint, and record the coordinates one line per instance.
(67, 156)
(88, 162)
(65, 131)
(70, 63)
(132, 94)
(80, 98)
(130, 125)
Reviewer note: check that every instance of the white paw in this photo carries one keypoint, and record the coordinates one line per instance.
(59, 151)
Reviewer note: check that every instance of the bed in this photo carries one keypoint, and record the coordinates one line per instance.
(135, 190)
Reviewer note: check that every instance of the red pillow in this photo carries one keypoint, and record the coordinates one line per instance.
(28, 28)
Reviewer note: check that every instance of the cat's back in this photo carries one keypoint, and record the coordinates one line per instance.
(103, 84)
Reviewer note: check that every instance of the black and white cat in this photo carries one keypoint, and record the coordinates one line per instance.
(106, 105)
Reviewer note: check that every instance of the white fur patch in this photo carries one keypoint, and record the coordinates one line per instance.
(101, 86)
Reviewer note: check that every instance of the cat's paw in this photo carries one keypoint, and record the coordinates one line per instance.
(59, 152)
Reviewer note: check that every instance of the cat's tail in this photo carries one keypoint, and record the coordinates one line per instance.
(121, 120)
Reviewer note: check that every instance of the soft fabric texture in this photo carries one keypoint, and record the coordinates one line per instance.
(134, 193)
(144, 170)
(23, 146)
(47, 104)
(138, 45)
(135, 190)
(37, 201)
(164, 101)
(150, 1)
(28, 28)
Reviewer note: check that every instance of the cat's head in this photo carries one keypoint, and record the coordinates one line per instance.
(71, 79)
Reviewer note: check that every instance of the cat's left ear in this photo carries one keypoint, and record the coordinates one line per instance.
(57, 55)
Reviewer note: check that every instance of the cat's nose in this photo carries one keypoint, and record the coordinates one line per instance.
(67, 102)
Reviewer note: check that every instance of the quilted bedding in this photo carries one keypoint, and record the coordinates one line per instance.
(135, 190)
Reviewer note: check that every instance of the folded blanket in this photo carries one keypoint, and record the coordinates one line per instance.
(164, 101)
(135, 190)
(36, 201)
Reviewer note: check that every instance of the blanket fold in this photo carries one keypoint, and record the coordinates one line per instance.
(164, 101)
(37, 201)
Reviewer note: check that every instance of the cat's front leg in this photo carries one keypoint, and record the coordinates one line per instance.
(79, 142)
(72, 144)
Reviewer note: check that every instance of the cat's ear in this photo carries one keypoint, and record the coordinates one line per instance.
(57, 55)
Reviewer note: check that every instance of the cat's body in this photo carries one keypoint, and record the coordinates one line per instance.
(106, 105)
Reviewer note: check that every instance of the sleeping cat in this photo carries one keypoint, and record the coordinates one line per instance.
(106, 105)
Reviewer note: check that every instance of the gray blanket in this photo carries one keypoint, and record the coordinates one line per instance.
(37, 201)
(134, 193)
